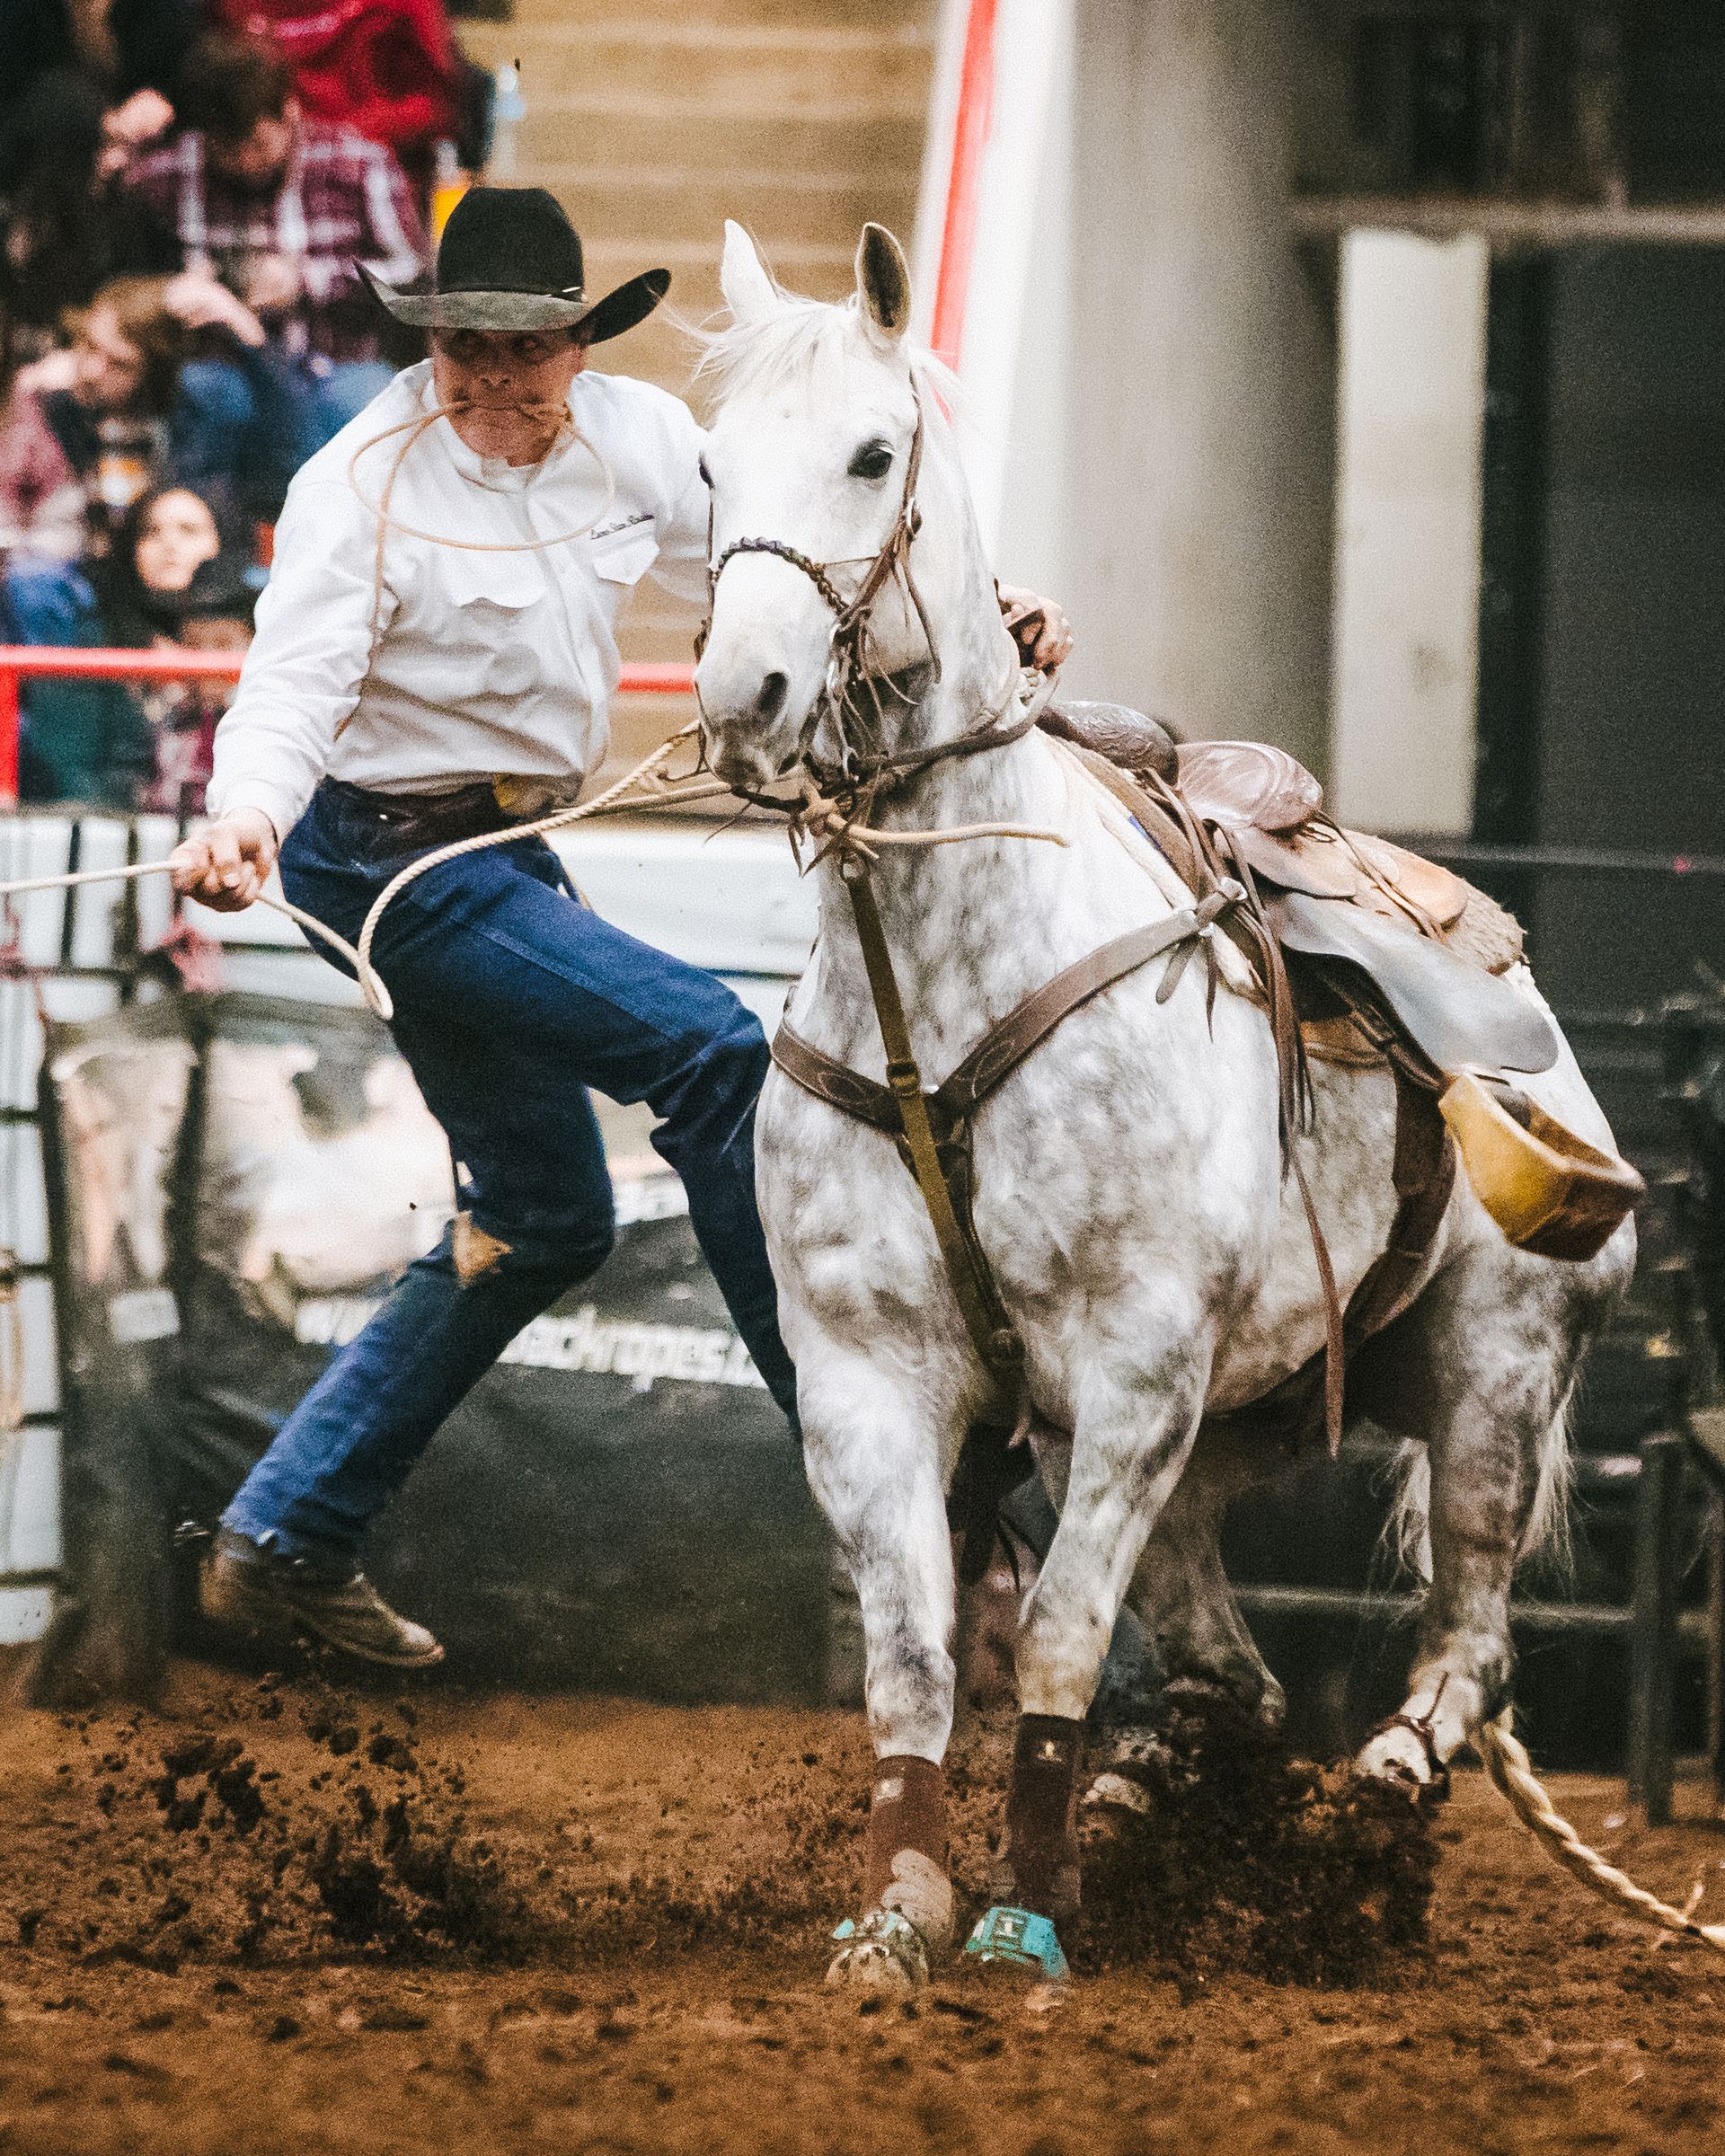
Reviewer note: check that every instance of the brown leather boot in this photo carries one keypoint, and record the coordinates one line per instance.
(256, 1591)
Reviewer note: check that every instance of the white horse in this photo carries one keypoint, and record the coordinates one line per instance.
(1130, 1193)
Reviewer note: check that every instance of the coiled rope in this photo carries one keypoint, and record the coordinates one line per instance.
(1512, 1772)
(561, 421)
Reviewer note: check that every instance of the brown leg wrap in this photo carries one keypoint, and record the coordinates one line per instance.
(1042, 1811)
(908, 1843)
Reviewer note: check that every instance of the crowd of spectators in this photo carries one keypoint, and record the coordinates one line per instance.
(185, 186)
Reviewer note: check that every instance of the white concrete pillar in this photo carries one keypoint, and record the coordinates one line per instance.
(1411, 413)
(1170, 456)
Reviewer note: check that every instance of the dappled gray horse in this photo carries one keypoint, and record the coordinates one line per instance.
(1149, 1248)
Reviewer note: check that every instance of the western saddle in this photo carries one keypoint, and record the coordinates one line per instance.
(1361, 954)
(1415, 956)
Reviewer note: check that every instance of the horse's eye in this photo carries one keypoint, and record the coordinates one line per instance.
(873, 460)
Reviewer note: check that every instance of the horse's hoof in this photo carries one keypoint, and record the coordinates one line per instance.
(1023, 1940)
(1244, 1690)
(1406, 1760)
(884, 1953)
(1117, 1793)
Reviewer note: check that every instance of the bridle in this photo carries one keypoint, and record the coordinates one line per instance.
(850, 675)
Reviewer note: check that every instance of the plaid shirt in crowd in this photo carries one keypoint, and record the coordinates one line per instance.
(342, 198)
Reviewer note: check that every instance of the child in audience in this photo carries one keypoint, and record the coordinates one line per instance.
(97, 742)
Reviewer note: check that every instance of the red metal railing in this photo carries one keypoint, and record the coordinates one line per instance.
(971, 128)
(19, 662)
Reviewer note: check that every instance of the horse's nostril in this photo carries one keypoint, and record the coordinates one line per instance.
(770, 701)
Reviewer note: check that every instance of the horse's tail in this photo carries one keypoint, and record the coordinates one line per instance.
(1407, 1532)
(1547, 1525)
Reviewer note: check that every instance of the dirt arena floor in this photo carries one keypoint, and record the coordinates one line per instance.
(284, 1916)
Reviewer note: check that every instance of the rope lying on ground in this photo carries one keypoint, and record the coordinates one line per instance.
(1509, 1767)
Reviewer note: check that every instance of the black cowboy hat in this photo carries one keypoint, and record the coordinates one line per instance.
(511, 260)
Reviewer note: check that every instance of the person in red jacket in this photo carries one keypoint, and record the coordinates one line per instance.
(388, 69)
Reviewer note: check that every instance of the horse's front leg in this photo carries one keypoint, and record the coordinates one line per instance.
(876, 1447)
(1137, 1416)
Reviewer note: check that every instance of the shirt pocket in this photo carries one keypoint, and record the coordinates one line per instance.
(625, 556)
(480, 584)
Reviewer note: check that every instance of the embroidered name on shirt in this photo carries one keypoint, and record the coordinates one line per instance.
(623, 524)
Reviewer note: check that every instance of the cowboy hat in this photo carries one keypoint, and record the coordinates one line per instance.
(509, 260)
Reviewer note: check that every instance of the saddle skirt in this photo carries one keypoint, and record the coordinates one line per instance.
(1431, 947)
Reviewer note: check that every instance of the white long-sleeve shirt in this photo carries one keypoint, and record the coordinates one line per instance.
(485, 665)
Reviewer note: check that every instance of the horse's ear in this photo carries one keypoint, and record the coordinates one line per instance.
(743, 277)
(883, 283)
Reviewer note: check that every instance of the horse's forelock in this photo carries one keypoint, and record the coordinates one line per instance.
(754, 358)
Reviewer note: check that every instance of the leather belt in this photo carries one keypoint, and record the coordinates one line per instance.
(422, 821)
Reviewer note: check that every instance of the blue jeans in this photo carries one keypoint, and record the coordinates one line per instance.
(511, 998)
(242, 426)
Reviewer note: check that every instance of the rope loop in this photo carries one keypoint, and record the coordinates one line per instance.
(417, 425)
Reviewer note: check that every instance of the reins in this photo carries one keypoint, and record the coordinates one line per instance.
(847, 652)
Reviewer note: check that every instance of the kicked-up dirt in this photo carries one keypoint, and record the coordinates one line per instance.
(291, 1915)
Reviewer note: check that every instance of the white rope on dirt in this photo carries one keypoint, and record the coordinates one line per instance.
(1512, 1770)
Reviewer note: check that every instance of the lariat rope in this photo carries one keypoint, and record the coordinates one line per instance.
(1512, 1774)
(645, 786)
(309, 922)
(559, 421)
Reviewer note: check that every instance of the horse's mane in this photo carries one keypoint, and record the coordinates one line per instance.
(746, 358)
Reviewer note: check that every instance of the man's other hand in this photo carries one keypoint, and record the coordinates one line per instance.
(1026, 612)
(228, 862)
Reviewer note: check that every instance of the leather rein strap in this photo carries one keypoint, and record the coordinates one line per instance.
(992, 1332)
